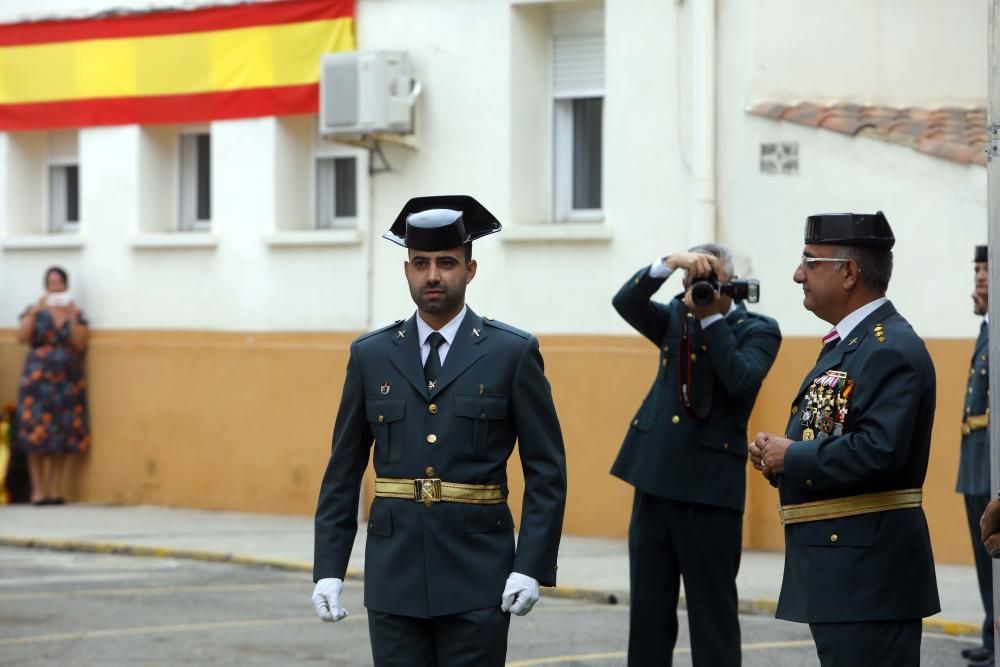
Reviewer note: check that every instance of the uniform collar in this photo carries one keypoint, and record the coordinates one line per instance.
(849, 323)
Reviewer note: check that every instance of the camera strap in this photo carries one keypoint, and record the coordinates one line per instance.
(685, 376)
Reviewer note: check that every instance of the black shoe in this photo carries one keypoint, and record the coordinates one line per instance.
(988, 662)
(977, 654)
(61, 501)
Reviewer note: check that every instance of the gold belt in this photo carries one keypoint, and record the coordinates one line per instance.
(975, 422)
(433, 490)
(850, 506)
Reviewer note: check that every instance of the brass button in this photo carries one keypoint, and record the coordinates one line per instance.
(704, 348)
(972, 371)
(725, 445)
(666, 348)
(482, 415)
(432, 408)
(675, 419)
(381, 418)
(795, 409)
(809, 482)
(970, 390)
(431, 438)
(691, 316)
(693, 356)
(429, 471)
(834, 538)
(982, 372)
(664, 362)
(635, 422)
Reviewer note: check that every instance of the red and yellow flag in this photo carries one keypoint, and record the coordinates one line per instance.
(180, 66)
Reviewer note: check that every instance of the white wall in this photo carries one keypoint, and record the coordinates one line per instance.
(484, 129)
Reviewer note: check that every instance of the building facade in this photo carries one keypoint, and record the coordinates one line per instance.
(226, 263)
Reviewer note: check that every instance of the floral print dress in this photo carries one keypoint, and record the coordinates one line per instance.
(51, 396)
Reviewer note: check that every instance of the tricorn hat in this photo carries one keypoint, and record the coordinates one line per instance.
(441, 222)
(869, 230)
(982, 254)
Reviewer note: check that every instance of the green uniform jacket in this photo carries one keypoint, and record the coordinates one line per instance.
(974, 461)
(869, 567)
(450, 557)
(667, 452)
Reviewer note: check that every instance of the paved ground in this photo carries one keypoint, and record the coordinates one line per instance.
(587, 565)
(85, 609)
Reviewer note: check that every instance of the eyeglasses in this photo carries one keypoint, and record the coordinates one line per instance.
(806, 261)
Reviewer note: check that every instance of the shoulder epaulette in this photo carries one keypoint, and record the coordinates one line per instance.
(497, 324)
(379, 330)
(879, 333)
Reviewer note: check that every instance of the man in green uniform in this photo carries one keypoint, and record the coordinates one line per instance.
(444, 396)
(851, 463)
(685, 454)
(974, 461)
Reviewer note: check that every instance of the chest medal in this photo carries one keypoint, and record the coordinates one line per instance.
(827, 401)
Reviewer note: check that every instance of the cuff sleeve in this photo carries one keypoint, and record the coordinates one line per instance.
(659, 270)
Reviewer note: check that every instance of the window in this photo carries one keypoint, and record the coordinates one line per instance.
(63, 182)
(336, 192)
(578, 112)
(195, 179)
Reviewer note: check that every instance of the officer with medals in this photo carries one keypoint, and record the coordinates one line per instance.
(443, 396)
(851, 463)
(685, 454)
(974, 462)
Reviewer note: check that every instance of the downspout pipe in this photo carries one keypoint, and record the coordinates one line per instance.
(703, 87)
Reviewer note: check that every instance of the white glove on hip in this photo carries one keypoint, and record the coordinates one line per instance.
(326, 599)
(519, 595)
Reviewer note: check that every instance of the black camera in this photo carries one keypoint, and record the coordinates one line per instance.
(703, 291)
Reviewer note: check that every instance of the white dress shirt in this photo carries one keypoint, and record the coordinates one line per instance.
(448, 331)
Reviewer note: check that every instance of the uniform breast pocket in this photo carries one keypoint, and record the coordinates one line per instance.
(485, 412)
(386, 419)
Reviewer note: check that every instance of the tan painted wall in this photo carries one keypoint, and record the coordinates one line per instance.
(243, 422)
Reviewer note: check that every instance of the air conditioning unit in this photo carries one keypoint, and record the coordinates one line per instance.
(365, 92)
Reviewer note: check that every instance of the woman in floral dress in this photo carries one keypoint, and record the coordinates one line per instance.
(51, 397)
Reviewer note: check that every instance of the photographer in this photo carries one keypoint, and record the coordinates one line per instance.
(685, 453)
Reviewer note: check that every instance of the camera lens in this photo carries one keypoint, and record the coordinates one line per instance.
(702, 293)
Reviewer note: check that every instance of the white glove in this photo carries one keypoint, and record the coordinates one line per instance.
(519, 595)
(326, 599)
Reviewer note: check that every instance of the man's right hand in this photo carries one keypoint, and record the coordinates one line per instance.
(326, 599)
(698, 265)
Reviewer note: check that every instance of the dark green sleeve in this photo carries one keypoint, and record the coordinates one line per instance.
(741, 367)
(337, 510)
(634, 303)
(543, 461)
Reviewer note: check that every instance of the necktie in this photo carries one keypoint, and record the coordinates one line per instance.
(432, 367)
(830, 341)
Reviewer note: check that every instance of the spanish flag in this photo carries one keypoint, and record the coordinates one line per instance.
(179, 66)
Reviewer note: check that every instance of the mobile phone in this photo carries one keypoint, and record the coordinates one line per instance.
(58, 299)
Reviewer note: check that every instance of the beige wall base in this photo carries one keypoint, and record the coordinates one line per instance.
(243, 422)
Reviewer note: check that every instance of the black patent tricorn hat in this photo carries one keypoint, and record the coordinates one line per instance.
(869, 230)
(441, 222)
(982, 254)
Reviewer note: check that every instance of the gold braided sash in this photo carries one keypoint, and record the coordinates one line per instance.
(433, 490)
(834, 508)
(975, 422)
